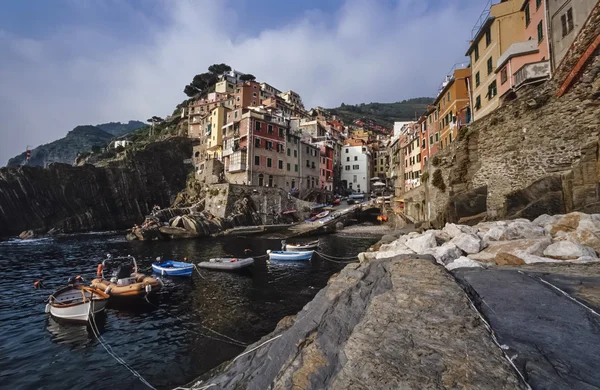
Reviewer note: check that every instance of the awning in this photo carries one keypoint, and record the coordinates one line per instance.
(379, 184)
(375, 178)
(227, 125)
(400, 200)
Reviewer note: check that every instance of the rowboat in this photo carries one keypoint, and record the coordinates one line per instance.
(323, 214)
(290, 256)
(227, 263)
(125, 281)
(173, 268)
(301, 247)
(76, 302)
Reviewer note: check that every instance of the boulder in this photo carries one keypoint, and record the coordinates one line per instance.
(522, 228)
(463, 262)
(567, 250)
(339, 226)
(441, 236)
(27, 234)
(494, 234)
(545, 219)
(469, 243)
(176, 232)
(508, 259)
(366, 256)
(425, 241)
(189, 223)
(567, 223)
(454, 230)
(395, 250)
(444, 254)
(519, 248)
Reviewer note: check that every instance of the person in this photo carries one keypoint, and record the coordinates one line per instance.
(283, 245)
(38, 284)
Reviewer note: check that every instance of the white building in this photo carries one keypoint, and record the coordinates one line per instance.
(398, 128)
(356, 168)
(123, 143)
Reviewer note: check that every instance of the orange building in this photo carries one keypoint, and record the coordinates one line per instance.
(453, 99)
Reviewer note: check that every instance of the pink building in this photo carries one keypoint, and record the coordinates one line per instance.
(527, 61)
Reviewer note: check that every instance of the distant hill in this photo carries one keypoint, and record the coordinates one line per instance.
(118, 129)
(382, 114)
(80, 139)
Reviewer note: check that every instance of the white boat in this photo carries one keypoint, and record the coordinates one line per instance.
(76, 302)
(227, 263)
(290, 256)
(302, 247)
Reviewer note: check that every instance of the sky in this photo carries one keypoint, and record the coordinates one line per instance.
(65, 63)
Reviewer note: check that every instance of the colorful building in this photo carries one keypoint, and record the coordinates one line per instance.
(452, 99)
(356, 160)
(503, 25)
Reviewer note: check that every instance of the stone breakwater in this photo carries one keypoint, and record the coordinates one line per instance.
(400, 319)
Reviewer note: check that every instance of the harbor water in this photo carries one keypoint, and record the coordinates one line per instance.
(188, 328)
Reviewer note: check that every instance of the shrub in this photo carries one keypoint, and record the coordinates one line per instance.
(435, 161)
(438, 180)
(425, 177)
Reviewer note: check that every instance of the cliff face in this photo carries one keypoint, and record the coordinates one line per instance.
(535, 155)
(87, 198)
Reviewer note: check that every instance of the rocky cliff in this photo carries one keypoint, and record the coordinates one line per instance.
(534, 155)
(69, 199)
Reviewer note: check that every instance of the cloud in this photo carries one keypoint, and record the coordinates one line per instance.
(87, 73)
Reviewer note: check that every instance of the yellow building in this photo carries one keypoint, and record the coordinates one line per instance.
(214, 131)
(451, 104)
(504, 26)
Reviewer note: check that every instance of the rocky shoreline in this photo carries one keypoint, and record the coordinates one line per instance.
(446, 308)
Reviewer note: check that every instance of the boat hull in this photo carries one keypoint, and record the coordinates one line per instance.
(291, 256)
(78, 313)
(76, 303)
(225, 264)
(302, 247)
(173, 268)
(146, 285)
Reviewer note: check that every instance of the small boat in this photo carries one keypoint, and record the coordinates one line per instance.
(327, 219)
(336, 202)
(290, 256)
(297, 247)
(125, 281)
(322, 215)
(173, 268)
(76, 302)
(227, 263)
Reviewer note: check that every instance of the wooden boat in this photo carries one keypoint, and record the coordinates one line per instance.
(125, 281)
(297, 247)
(227, 263)
(173, 268)
(323, 214)
(290, 256)
(76, 302)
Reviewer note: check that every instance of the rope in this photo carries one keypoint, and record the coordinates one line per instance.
(255, 348)
(333, 259)
(197, 270)
(110, 351)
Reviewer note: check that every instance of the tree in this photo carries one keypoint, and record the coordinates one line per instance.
(96, 149)
(218, 69)
(247, 77)
(191, 91)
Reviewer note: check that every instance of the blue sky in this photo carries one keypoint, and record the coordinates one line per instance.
(71, 62)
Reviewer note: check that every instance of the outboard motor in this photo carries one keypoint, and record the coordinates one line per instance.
(124, 271)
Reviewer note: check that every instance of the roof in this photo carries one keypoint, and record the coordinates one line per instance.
(480, 33)
(517, 49)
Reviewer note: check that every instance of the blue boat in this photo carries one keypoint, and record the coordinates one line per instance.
(290, 256)
(173, 268)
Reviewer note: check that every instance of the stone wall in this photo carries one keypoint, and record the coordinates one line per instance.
(537, 154)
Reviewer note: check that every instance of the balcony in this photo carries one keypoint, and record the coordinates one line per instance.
(536, 71)
(237, 161)
(237, 167)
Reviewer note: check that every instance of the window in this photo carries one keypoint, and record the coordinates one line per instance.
(437, 137)
(418, 158)
(355, 167)
(538, 3)
(295, 153)
(269, 162)
(478, 102)
(450, 137)
(280, 164)
(527, 15)
(307, 164)
(281, 132)
(347, 159)
(257, 126)
(257, 142)
(476, 52)
(492, 91)
(430, 139)
(354, 179)
(296, 167)
(313, 165)
(490, 66)
(288, 153)
(347, 151)
(254, 94)
(540, 29)
(477, 79)
(488, 37)
(270, 129)
(235, 114)
(347, 167)
(503, 75)
(355, 158)
(256, 160)
(567, 22)
(448, 96)
(289, 166)
(269, 145)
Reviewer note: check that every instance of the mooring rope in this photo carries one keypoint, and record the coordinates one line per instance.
(110, 351)
(197, 270)
(334, 258)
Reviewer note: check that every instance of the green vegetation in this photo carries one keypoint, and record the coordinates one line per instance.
(204, 82)
(383, 114)
(438, 180)
(118, 129)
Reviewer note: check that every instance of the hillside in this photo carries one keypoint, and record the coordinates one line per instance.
(80, 139)
(382, 114)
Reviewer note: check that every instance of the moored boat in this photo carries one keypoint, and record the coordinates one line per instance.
(322, 214)
(227, 263)
(126, 281)
(76, 302)
(173, 268)
(301, 246)
(290, 256)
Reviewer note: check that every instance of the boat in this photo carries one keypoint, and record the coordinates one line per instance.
(125, 281)
(76, 302)
(227, 263)
(322, 215)
(298, 247)
(290, 256)
(173, 268)
(327, 219)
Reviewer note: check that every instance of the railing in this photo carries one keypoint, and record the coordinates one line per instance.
(531, 72)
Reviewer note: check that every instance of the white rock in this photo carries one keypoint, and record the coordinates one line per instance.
(469, 243)
(395, 252)
(520, 229)
(366, 256)
(494, 234)
(519, 248)
(454, 230)
(444, 254)
(463, 262)
(544, 220)
(412, 235)
(567, 250)
(425, 241)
